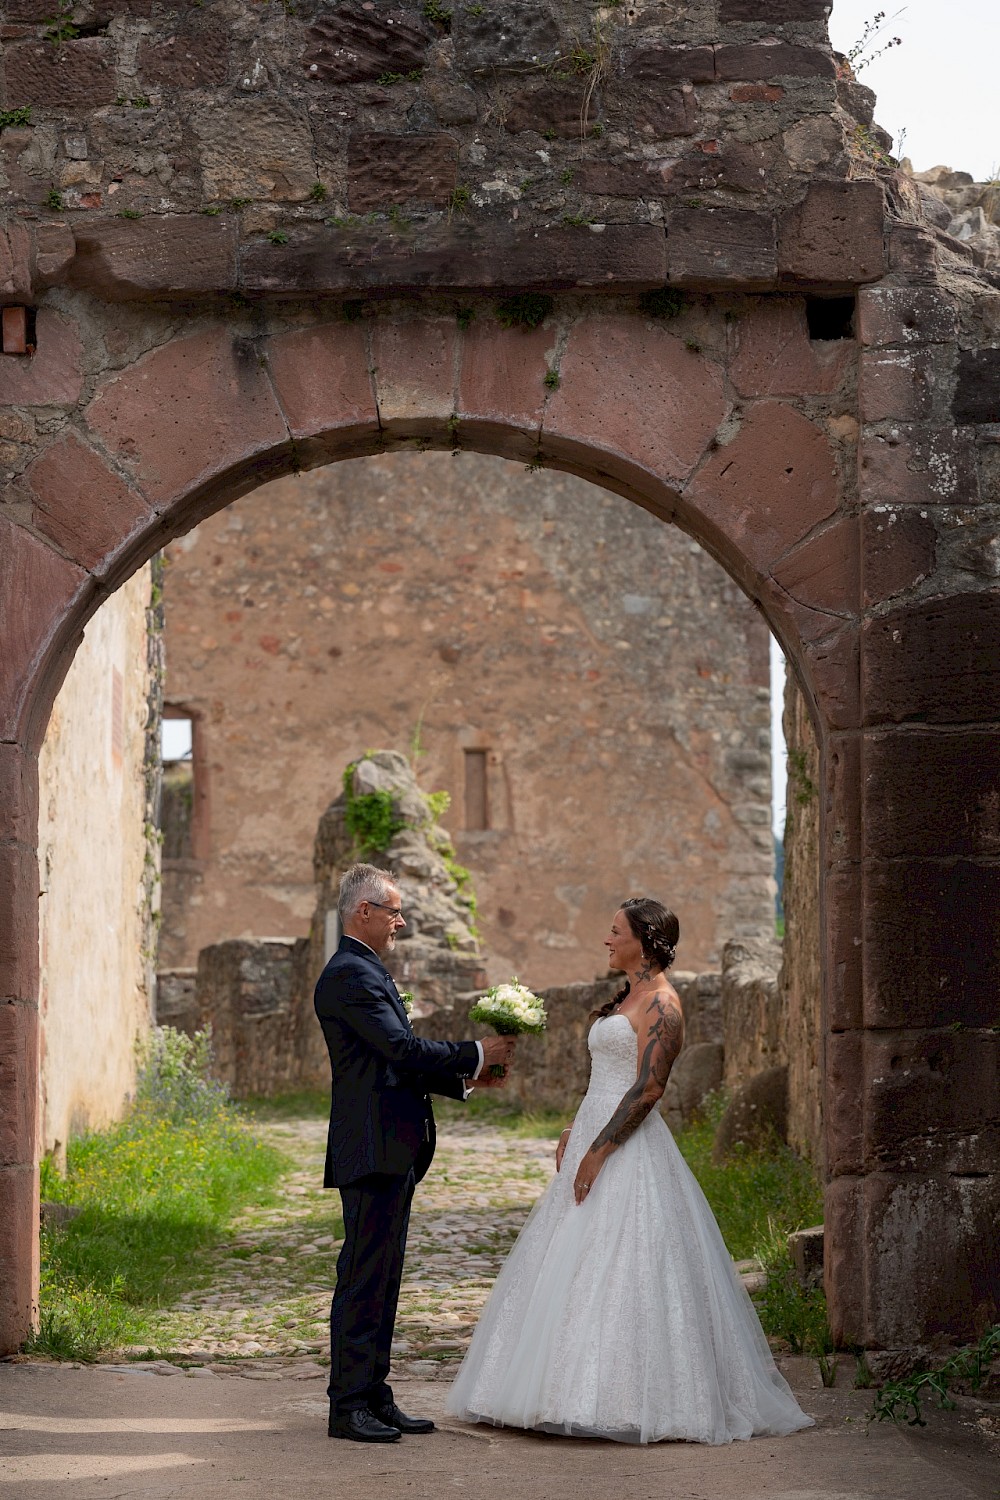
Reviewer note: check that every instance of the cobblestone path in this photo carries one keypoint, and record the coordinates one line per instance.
(268, 1297)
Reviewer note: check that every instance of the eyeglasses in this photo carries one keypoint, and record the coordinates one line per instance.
(397, 911)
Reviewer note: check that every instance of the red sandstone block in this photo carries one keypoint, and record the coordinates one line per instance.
(843, 1091)
(844, 1266)
(18, 925)
(923, 1091)
(69, 77)
(414, 365)
(770, 485)
(658, 114)
(620, 179)
(18, 1082)
(919, 466)
(835, 236)
(18, 796)
(670, 65)
(842, 946)
(913, 251)
(502, 384)
(634, 389)
(907, 315)
(822, 572)
(548, 107)
(37, 590)
(54, 248)
(842, 797)
(936, 661)
(756, 93)
(832, 666)
(977, 389)
(53, 375)
(185, 415)
(932, 1257)
(418, 169)
(18, 1255)
(86, 509)
(927, 791)
(323, 382)
(931, 942)
(898, 550)
(753, 61)
(721, 247)
(166, 256)
(773, 354)
(15, 330)
(774, 12)
(195, 57)
(612, 257)
(899, 385)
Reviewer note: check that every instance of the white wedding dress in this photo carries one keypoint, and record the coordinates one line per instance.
(623, 1317)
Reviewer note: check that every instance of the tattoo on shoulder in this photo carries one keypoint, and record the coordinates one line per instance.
(663, 1042)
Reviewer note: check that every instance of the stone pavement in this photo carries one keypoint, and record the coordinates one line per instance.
(239, 1410)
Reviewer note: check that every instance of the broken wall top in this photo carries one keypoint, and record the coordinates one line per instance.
(159, 151)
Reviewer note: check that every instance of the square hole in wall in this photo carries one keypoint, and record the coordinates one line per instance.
(830, 318)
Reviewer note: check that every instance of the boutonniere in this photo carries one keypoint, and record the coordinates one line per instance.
(406, 1000)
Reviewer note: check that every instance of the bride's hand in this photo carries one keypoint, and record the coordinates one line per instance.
(586, 1174)
(561, 1147)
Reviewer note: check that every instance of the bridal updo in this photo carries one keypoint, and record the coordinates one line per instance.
(658, 930)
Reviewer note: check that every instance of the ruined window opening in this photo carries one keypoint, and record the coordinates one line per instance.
(177, 800)
(477, 807)
(830, 318)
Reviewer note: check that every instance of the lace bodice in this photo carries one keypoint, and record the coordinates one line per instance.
(613, 1046)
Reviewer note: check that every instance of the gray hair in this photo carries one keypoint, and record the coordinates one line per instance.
(362, 883)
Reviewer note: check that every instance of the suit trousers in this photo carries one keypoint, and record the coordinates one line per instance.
(369, 1271)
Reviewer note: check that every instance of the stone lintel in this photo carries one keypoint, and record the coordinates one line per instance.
(612, 257)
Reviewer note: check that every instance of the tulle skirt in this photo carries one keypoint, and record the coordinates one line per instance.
(623, 1317)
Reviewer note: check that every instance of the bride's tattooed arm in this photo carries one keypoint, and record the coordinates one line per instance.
(660, 1044)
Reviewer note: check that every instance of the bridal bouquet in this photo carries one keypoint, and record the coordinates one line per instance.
(512, 1010)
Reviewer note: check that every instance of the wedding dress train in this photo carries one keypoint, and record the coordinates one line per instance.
(623, 1317)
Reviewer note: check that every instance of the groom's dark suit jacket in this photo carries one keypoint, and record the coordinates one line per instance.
(380, 1116)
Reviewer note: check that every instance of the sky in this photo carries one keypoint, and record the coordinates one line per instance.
(940, 86)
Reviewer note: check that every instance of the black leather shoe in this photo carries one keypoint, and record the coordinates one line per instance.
(393, 1417)
(361, 1426)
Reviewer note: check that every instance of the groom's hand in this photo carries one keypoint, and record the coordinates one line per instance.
(497, 1053)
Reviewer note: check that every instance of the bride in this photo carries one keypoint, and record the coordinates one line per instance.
(618, 1313)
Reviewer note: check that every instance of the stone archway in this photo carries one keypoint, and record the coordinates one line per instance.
(848, 485)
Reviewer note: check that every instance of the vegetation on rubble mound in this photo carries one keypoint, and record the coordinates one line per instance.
(369, 817)
(153, 1194)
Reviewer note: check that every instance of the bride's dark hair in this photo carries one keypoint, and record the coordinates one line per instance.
(659, 932)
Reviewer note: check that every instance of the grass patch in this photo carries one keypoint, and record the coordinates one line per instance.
(756, 1196)
(503, 1114)
(299, 1104)
(155, 1194)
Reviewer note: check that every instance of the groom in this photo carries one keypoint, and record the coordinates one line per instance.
(379, 1145)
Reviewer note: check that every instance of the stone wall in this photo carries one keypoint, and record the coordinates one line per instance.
(754, 1020)
(99, 864)
(800, 980)
(611, 674)
(436, 145)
